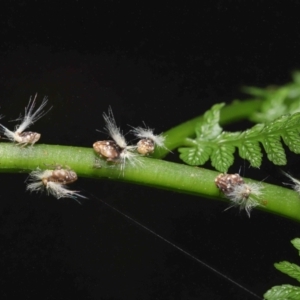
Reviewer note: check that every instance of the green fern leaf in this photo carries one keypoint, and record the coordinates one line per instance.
(274, 149)
(212, 143)
(296, 243)
(288, 268)
(283, 292)
(195, 156)
(256, 91)
(294, 121)
(295, 106)
(209, 127)
(222, 158)
(286, 291)
(276, 101)
(251, 151)
(292, 140)
(273, 106)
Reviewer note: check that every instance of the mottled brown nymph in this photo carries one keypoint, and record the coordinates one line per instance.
(20, 136)
(63, 176)
(108, 149)
(145, 146)
(227, 182)
(54, 182)
(27, 137)
(241, 194)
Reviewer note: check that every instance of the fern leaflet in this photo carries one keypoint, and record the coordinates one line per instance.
(219, 146)
(276, 101)
(286, 291)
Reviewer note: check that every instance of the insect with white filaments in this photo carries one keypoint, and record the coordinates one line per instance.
(148, 140)
(54, 182)
(116, 150)
(238, 192)
(20, 136)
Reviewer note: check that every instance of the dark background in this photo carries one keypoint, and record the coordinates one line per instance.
(158, 63)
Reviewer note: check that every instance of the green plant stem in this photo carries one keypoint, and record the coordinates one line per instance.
(236, 111)
(150, 172)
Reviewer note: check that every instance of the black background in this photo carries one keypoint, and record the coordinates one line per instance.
(162, 64)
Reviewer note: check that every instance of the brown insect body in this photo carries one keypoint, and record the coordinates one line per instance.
(108, 149)
(59, 175)
(27, 137)
(145, 146)
(227, 182)
(54, 182)
(63, 176)
(20, 136)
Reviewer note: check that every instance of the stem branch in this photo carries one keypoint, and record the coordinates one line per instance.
(150, 172)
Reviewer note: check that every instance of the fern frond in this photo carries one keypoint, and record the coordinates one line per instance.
(296, 244)
(288, 268)
(283, 292)
(276, 101)
(219, 146)
(286, 291)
